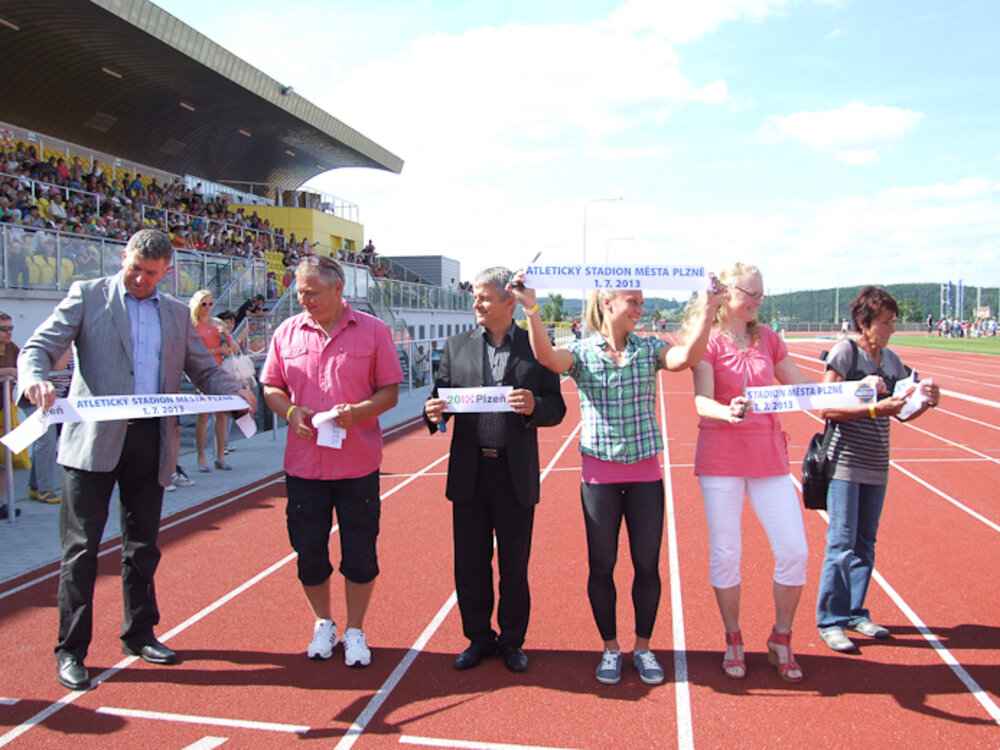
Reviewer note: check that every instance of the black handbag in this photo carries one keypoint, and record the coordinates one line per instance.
(817, 466)
(817, 469)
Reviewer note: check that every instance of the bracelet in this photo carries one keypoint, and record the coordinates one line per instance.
(288, 414)
(871, 411)
(532, 309)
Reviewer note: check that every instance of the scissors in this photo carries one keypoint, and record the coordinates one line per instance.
(520, 284)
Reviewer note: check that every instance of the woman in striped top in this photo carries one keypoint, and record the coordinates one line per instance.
(860, 452)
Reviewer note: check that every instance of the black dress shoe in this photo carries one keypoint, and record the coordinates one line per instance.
(72, 674)
(154, 652)
(514, 659)
(474, 654)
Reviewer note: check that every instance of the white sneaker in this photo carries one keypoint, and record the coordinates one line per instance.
(170, 487)
(356, 651)
(182, 480)
(324, 640)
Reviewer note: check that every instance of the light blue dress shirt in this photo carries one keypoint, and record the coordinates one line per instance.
(147, 337)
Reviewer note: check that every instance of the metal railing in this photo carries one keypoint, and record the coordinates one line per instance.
(47, 259)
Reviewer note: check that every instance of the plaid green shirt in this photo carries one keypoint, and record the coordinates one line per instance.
(618, 404)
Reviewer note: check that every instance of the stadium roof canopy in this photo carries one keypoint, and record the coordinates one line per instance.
(127, 78)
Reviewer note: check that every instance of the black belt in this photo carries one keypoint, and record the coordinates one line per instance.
(491, 452)
(147, 420)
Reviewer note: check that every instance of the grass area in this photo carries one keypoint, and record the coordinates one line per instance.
(988, 345)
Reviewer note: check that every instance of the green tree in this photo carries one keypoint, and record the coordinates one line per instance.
(909, 311)
(552, 309)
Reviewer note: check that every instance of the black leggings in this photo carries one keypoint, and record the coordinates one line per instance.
(604, 505)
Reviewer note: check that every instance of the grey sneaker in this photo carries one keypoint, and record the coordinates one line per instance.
(609, 671)
(869, 628)
(649, 668)
(836, 639)
(182, 480)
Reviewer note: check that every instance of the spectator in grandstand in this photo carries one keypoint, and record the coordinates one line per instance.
(421, 366)
(57, 210)
(860, 453)
(217, 341)
(615, 372)
(493, 470)
(252, 308)
(127, 339)
(272, 286)
(741, 453)
(331, 357)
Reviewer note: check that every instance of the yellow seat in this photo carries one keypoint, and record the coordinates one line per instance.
(48, 271)
(66, 270)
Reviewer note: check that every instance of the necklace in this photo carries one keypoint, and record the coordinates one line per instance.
(743, 338)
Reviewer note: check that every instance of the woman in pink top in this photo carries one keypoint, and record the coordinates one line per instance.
(741, 452)
(218, 344)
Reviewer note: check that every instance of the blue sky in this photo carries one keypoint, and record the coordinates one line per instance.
(827, 141)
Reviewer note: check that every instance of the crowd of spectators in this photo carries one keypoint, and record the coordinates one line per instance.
(85, 200)
(958, 329)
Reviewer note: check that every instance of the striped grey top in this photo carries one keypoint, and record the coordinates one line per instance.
(860, 447)
(490, 425)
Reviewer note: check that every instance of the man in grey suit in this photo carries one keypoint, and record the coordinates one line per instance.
(129, 339)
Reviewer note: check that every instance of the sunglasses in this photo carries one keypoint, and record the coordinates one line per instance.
(755, 296)
(206, 303)
(6, 329)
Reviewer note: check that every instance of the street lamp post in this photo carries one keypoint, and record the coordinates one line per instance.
(607, 247)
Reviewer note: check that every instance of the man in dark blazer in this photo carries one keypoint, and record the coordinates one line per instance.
(493, 471)
(128, 339)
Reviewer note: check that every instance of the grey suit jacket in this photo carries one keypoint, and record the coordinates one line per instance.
(93, 318)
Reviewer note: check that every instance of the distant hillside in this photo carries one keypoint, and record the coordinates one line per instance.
(816, 305)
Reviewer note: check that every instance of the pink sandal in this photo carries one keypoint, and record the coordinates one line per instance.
(786, 669)
(739, 662)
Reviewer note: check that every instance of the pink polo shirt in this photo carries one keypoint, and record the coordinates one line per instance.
(319, 372)
(757, 446)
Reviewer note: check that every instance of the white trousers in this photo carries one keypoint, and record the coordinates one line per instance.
(776, 504)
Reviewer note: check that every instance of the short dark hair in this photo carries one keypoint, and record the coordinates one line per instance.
(871, 302)
(151, 244)
(227, 315)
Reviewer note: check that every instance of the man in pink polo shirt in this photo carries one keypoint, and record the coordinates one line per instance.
(332, 357)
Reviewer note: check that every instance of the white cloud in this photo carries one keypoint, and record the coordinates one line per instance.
(684, 21)
(855, 132)
(970, 187)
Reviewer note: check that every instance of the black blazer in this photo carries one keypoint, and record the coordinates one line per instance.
(462, 367)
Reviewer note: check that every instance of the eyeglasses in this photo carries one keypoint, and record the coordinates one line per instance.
(755, 296)
(6, 329)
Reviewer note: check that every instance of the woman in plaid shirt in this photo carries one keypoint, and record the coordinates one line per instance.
(615, 372)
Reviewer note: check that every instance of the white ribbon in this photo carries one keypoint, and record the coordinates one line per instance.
(472, 400)
(613, 276)
(771, 399)
(107, 408)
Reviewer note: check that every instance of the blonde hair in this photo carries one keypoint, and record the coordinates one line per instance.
(194, 304)
(728, 277)
(593, 315)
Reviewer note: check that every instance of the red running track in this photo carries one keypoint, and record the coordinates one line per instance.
(232, 607)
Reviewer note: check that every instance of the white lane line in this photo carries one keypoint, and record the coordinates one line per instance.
(72, 696)
(991, 425)
(940, 649)
(949, 498)
(116, 547)
(409, 739)
(207, 743)
(215, 721)
(682, 689)
(358, 726)
(9, 701)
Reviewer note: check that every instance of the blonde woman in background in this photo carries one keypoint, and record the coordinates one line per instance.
(218, 344)
(615, 372)
(740, 452)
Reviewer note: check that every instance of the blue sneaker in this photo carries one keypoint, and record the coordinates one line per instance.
(649, 668)
(609, 671)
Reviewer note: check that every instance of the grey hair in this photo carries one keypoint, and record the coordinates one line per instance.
(324, 267)
(151, 244)
(497, 277)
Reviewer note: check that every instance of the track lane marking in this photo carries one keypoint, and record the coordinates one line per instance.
(267, 726)
(949, 498)
(9, 701)
(207, 743)
(111, 671)
(359, 725)
(682, 689)
(409, 739)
